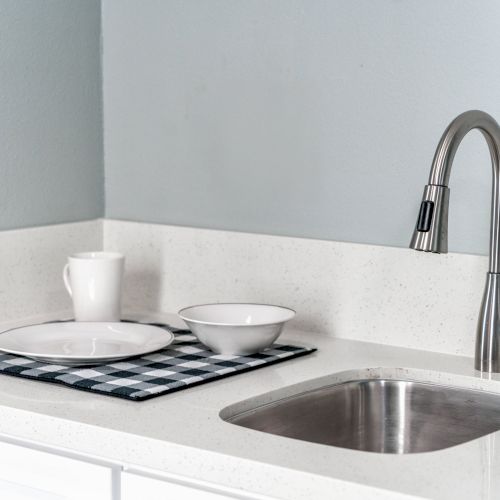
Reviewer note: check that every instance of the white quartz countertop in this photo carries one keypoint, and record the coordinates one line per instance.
(182, 433)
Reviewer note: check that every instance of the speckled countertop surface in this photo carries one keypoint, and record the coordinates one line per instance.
(183, 434)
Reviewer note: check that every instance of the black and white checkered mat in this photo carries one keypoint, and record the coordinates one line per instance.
(185, 363)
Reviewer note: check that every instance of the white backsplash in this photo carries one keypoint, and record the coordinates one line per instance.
(363, 292)
(31, 262)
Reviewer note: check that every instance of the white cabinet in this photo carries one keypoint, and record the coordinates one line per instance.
(137, 487)
(28, 474)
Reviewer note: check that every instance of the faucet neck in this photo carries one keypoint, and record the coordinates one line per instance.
(443, 159)
(431, 230)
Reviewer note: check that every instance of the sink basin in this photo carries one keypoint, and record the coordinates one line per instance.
(379, 415)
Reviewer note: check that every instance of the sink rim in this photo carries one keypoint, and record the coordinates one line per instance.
(475, 381)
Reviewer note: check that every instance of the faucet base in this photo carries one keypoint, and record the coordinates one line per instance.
(488, 327)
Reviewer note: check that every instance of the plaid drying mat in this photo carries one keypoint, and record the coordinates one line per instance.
(184, 363)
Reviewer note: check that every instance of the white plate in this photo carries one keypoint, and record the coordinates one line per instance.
(83, 343)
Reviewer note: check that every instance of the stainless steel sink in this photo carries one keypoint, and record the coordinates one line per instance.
(383, 416)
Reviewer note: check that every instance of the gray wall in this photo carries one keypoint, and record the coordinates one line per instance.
(51, 159)
(298, 117)
(309, 118)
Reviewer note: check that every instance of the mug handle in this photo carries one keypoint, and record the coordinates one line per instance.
(66, 280)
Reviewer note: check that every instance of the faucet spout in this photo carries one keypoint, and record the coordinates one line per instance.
(431, 230)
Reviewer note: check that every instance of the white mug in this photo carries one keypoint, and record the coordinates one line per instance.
(94, 281)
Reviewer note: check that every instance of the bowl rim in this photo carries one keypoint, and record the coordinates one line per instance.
(218, 323)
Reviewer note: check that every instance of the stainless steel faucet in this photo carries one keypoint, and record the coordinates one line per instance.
(431, 230)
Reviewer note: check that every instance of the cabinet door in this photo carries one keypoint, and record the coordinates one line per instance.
(27, 474)
(137, 487)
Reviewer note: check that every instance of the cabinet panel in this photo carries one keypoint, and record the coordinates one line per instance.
(136, 487)
(12, 491)
(27, 474)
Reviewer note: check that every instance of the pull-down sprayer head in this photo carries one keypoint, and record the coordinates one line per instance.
(431, 229)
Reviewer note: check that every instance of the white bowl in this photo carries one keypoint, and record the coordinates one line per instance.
(239, 329)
